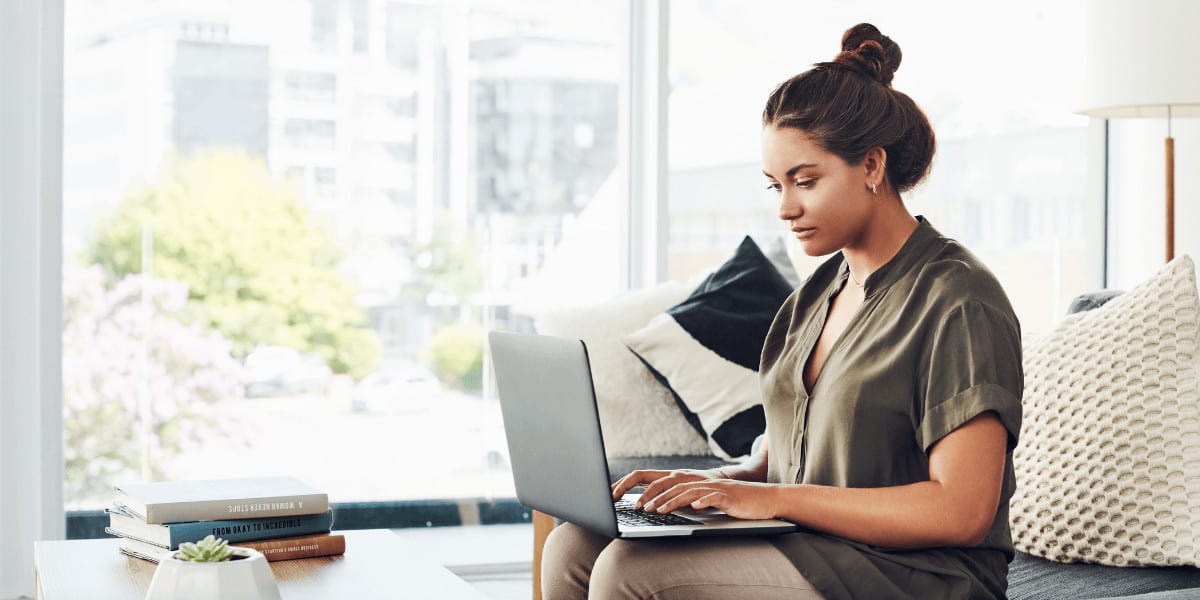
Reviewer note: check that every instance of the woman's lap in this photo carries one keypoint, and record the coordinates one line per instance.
(576, 561)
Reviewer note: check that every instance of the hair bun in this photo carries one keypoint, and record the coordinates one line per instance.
(869, 52)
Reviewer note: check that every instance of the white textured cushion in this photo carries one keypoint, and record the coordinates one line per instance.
(1108, 469)
(637, 414)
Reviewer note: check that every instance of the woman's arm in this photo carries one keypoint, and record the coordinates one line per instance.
(955, 507)
(752, 469)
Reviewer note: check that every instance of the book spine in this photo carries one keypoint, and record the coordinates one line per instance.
(245, 508)
(306, 546)
(250, 529)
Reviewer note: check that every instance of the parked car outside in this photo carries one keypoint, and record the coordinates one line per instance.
(284, 371)
(395, 386)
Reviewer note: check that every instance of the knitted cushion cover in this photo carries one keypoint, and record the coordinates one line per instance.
(1108, 469)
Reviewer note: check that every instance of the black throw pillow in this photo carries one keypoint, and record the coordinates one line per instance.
(706, 349)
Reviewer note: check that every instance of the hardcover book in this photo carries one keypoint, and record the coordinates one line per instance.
(220, 499)
(170, 535)
(305, 546)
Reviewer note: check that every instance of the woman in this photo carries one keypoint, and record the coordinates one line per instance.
(891, 381)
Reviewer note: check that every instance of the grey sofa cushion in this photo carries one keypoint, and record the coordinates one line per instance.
(1091, 300)
(1031, 577)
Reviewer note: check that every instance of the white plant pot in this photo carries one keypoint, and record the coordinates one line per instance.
(248, 578)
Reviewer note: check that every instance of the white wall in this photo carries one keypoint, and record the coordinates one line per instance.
(31, 471)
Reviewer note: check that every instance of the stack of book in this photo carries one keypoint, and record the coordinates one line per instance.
(280, 517)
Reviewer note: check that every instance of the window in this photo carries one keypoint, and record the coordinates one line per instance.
(283, 251)
(362, 32)
(1009, 178)
(325, 181)
(324, 29)
(309, 86)
(1137, 196)
(311, 134)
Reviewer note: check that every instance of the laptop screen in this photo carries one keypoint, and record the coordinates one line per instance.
(553, 429)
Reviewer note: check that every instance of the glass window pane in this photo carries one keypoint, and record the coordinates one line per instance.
(1137, 196)
(290, 223)
(1009, 176)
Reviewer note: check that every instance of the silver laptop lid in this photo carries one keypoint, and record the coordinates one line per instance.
(553, 430)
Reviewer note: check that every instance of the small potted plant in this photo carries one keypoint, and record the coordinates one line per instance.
(211, 568)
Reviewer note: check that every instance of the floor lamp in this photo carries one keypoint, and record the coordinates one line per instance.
(1143, 60)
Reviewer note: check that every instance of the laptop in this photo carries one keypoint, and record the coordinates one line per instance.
(557, 453)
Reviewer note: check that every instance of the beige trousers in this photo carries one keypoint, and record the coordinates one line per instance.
(577, 563)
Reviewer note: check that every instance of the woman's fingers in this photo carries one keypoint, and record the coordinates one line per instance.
(652, 491)
(666, 483)
(655, 483)
(669, 492)
(635, 479)
(736, 499)
(684, 497)
(625, 484)
(713, 500)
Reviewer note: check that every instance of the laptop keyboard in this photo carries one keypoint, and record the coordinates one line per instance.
(630, 516)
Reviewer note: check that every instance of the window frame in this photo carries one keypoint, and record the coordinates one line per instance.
(643, 149)
(31, 119)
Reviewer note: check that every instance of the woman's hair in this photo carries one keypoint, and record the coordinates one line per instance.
(848, 106)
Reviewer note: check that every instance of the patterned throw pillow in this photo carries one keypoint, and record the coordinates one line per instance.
(1108, 469)
(706, 349)
(638, 417)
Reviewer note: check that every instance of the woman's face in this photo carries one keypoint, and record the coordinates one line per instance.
(825, 201)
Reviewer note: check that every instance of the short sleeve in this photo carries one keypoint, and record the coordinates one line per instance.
(973, 365)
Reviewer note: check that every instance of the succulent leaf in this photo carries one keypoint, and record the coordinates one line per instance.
(209, 549)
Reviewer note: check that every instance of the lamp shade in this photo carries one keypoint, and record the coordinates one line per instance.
(1142, 55)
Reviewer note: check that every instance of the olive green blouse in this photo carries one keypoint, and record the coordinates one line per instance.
(934, 344)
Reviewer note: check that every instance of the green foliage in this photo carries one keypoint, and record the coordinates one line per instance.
(209, 549)
(450, 264)
(458, 355)
(452, 272)
(258, 266)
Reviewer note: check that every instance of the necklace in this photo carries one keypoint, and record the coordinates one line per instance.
(851, 273)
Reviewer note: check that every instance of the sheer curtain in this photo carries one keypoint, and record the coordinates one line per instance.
(31, 472)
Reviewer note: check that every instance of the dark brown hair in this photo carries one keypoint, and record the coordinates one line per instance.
(848, 106)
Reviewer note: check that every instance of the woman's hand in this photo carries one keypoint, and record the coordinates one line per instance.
(657, 481)
(741, 499)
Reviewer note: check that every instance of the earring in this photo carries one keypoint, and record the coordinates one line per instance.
(874, 190)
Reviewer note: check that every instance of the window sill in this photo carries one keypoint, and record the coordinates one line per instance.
(397, 514)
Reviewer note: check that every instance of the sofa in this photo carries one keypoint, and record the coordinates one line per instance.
(1029, 577)
(1074, 574)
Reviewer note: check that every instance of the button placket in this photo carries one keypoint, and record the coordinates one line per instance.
(803, 398)
(801, 450)
(794, 473)
(798, 426)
